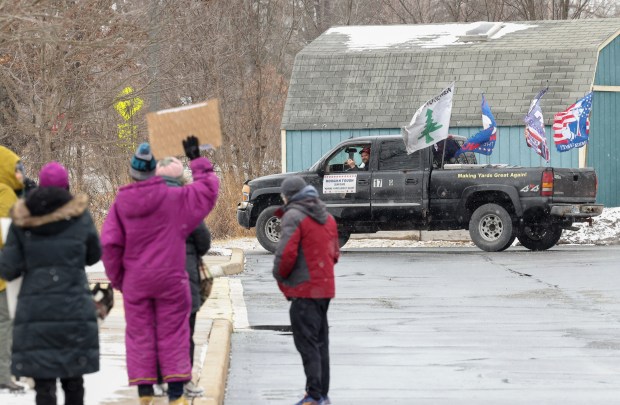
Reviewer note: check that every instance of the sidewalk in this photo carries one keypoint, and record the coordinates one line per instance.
(212, 338)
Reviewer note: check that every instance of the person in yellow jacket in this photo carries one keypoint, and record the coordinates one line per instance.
(11, 183)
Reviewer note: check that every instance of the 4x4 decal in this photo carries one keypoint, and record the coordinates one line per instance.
(532, 188)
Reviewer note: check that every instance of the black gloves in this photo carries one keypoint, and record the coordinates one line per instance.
(190, 144)
(29, 185)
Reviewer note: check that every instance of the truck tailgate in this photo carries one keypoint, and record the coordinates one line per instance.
(574, 185)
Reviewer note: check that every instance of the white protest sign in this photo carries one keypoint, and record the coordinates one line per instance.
(5, 224)
(12, 287)
(339, 183)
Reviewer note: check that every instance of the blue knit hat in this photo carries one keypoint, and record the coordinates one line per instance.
(143, 163)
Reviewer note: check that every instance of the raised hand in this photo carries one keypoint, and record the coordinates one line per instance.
(190, 145)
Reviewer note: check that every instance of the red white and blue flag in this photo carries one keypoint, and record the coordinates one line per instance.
(484, 141)
(571, 127)
(535, 127)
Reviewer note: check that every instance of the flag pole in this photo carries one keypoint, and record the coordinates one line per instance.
(546, 138)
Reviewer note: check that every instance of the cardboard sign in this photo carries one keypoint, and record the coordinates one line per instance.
(168, 128)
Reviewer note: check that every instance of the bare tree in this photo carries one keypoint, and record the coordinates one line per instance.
(73, 73)
(64, 64)
(412, 11)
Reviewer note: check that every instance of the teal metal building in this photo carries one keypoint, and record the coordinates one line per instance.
(368, 80)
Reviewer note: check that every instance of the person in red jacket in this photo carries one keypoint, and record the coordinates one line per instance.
(304, 268)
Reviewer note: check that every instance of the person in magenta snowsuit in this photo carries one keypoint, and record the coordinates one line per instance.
(143, 239)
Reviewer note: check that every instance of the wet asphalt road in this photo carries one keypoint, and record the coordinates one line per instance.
(445, 326)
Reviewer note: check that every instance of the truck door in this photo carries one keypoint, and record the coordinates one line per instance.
(397, 184)
(346, 191)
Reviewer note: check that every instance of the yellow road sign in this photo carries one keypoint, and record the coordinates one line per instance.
(128, 107)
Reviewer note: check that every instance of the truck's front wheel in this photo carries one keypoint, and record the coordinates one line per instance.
(539, 236)
(490, 228)
(268, 229)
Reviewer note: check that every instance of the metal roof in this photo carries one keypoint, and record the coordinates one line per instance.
(377, 76)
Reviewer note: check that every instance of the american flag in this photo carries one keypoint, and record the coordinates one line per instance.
(571, 127)
(535, 127)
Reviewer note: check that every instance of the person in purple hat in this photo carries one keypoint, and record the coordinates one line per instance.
(55, 334)
(54, 174)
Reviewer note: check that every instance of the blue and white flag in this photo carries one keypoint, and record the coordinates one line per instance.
(535, 127)
(484, 141)
(571, 127)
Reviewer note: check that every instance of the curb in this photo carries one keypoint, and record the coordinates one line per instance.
(214, 373)
(234, 265)
(213, 378)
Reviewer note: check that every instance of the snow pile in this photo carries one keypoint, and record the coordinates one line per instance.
(605, 230)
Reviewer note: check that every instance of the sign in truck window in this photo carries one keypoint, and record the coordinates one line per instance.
(339, 183)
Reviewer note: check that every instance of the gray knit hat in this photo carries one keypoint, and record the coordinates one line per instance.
(143, 163)
(292, 185)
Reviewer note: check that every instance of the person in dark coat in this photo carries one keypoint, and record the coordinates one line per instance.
(55, 335)
(196, 245)
(304, 268)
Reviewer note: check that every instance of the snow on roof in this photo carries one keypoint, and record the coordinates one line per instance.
(426, 36)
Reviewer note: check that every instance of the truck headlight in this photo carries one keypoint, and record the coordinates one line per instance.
(245, 193)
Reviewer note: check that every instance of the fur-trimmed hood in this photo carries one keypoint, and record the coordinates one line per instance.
(21, 215)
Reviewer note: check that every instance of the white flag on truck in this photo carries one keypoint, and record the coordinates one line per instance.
(430, 123)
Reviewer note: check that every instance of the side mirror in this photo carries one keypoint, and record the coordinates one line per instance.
(320, 171)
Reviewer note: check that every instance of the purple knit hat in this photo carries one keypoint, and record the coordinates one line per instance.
(54, 174)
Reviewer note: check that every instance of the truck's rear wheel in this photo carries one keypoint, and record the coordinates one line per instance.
(490, 228)
(539, 236)
(268, 229)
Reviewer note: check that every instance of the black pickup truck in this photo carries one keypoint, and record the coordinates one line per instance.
(432, 190)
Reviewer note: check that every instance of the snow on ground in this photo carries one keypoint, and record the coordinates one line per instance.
(605, 230)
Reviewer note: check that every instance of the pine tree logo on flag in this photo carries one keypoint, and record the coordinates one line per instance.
(430, 122)
(431, 126)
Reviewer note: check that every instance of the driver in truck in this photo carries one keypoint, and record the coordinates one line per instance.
(365, 153)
